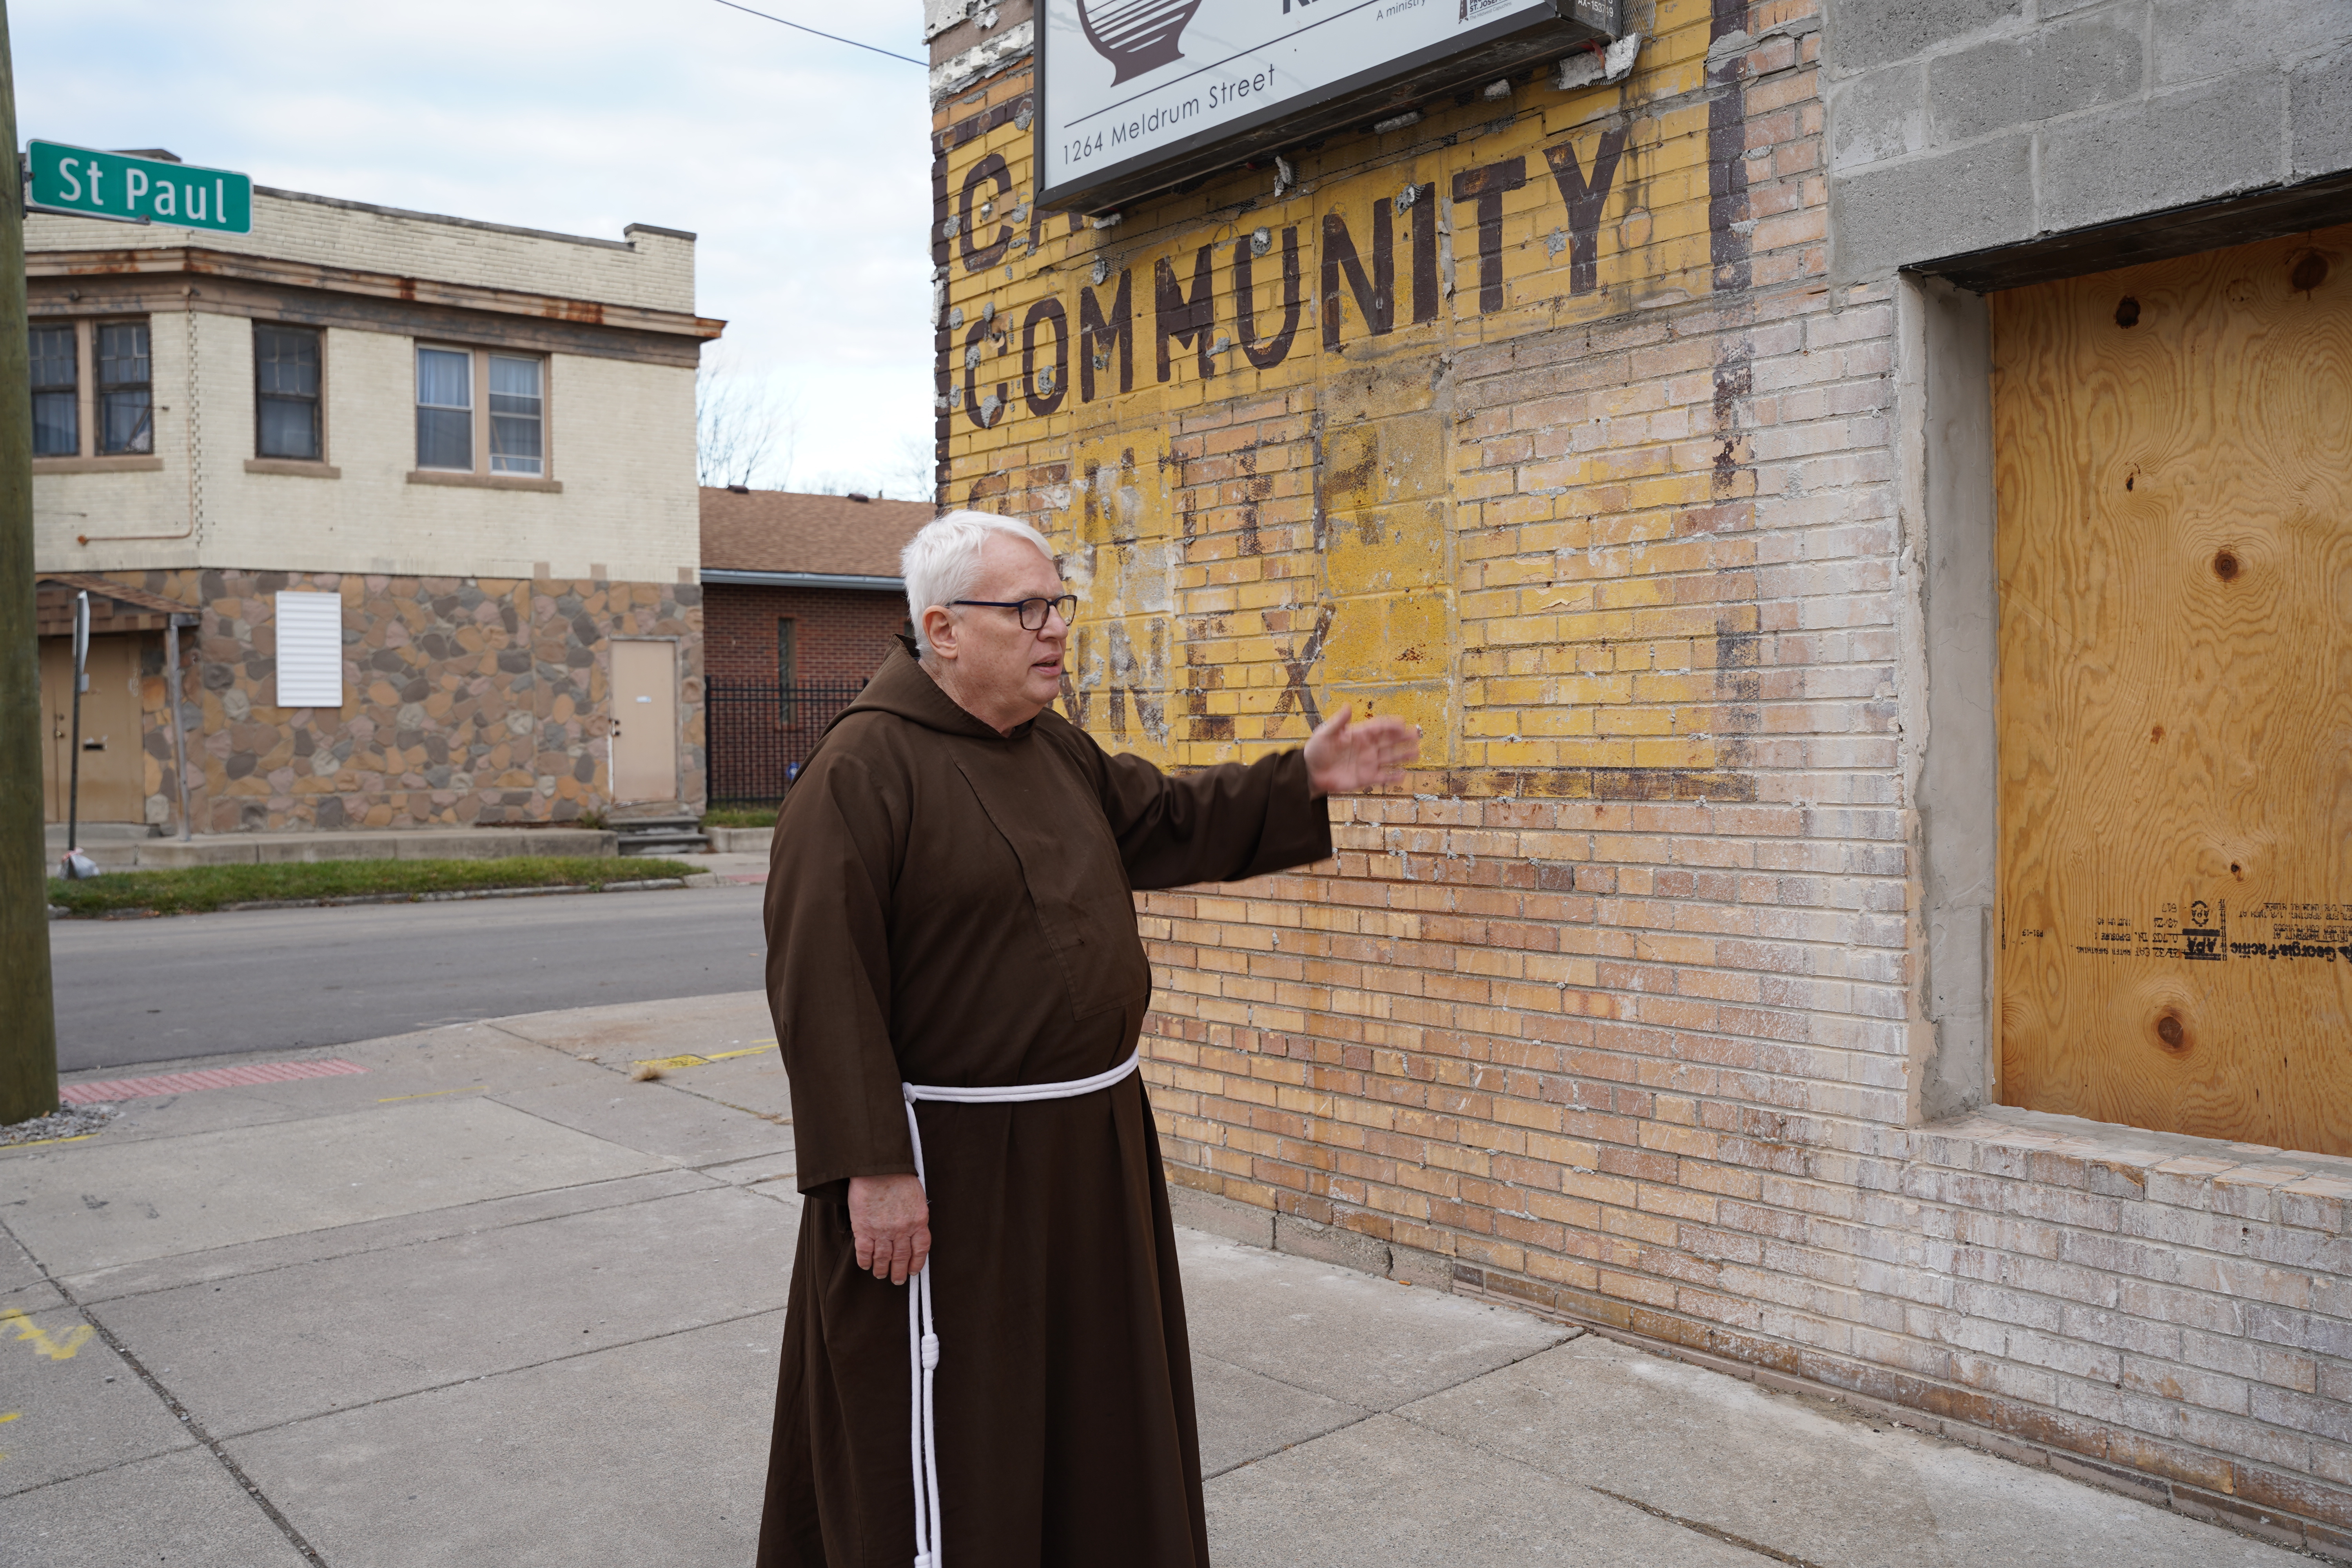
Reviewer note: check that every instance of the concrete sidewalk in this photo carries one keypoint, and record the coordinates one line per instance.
(491, 1302)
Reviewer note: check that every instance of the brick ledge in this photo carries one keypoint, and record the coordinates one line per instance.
(484, 481)
(2077, 1139)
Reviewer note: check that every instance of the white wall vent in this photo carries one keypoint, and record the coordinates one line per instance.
(310, 651)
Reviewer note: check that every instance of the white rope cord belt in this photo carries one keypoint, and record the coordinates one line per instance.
(922, 1334)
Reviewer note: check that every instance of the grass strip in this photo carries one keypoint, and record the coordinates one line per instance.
(197, 890)
(741, 817)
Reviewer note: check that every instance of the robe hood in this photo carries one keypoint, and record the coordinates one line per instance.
(903, 689)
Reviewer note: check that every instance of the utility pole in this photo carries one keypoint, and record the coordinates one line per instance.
(28, 1025)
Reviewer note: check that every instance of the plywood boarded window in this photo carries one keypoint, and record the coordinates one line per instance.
(310, 651)
(2174, 452)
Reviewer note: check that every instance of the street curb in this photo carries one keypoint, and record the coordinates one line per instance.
(460, 895)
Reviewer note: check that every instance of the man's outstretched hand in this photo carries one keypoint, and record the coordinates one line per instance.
(891, 1223)
(1343, 757)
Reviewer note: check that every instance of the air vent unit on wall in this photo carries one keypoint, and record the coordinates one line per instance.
(310, 651)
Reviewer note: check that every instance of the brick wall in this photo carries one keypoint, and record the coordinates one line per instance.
(1616, 1010)
(842, 633)
(649, 268)
(619, 443)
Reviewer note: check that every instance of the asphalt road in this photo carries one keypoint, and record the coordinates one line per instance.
(154, 990)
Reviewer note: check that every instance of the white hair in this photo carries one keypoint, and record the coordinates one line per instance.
(941, 563)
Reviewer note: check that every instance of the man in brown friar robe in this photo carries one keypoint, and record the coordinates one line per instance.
(950, 904)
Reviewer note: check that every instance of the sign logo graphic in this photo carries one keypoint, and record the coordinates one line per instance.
(2201, 939)
(1136, 35)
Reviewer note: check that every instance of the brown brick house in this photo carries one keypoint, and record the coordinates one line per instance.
(801, 596)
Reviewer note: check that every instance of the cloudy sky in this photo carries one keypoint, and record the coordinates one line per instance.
(800, 164)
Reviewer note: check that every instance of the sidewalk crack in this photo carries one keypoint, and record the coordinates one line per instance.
(195, 1428)
(1367, 1412)
(502, 1372)
(424, 1241)
(1208, 1476)
(1707, 1529)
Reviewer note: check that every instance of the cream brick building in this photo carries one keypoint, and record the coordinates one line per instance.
(472, 445)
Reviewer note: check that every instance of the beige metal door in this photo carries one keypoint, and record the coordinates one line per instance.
(645, 721)
(111, 762)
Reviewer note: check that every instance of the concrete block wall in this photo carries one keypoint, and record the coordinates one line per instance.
(1955, 128)
(842, 634)
(1620, 1010)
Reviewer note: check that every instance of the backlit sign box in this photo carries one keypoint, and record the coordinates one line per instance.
(1138, 95)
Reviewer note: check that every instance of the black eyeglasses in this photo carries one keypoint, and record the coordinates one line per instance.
(1032, 612)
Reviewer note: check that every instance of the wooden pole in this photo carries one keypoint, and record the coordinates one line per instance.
(28, 1031)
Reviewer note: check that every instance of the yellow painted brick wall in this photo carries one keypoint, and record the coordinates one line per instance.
(1342, 524)
(1524, 517)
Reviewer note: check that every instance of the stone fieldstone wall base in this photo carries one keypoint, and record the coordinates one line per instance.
(466, 701)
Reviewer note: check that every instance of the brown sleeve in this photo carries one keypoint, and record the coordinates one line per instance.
(838, 843)
(1218, 825)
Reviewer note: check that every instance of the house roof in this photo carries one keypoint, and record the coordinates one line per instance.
(786, 532)
(113, 606)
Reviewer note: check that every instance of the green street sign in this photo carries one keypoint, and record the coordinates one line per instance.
(117, 185)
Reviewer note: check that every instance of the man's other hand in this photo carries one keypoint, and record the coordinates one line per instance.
(892, 1224)
(1342, 757)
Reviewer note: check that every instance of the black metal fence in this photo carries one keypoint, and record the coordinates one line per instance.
(761, 732)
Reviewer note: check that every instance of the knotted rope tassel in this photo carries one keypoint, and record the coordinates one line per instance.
(922, 1329)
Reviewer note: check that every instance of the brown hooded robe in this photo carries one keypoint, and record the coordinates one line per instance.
(947, 905)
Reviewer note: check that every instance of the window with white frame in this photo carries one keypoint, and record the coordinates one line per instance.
(480, 411)
(516, 409)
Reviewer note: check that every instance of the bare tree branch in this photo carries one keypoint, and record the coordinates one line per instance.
(741, 433)
(916, 470)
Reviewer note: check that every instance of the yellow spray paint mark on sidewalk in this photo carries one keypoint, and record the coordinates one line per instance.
(7, 1417)
(670, 1064)
(43, 1142)
(56, 1350)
